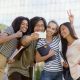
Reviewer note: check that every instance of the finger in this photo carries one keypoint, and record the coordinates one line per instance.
(68, 12)
(71, 13)
(20, 31)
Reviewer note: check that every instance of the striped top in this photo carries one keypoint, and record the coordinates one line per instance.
(55, 64)
(8, 48)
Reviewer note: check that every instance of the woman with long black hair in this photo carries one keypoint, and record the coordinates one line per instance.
(71, 49)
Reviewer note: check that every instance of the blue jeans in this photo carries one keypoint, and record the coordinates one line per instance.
(45, 75)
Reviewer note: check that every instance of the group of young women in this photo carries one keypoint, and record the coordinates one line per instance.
(22, 32)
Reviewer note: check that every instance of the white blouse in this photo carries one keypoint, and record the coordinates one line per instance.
(73, 57)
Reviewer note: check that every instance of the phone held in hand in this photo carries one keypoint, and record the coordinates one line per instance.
(42, 34)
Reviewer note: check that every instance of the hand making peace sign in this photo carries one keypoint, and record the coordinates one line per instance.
(70, 16)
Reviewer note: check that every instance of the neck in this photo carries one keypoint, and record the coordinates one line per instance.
(70, 40)
(49, 38)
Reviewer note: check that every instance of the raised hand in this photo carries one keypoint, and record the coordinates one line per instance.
(34, 36)
(19, 34)
(70, 16)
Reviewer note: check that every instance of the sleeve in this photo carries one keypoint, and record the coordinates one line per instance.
(9, 30)
(40, 43)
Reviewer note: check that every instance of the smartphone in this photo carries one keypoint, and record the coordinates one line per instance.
(42, 34)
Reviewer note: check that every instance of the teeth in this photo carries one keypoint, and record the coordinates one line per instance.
(24, 28)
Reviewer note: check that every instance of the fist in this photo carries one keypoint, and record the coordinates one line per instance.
(19, 34)
(34, 36)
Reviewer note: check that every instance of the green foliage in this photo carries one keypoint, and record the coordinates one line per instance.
(2, 26)
(37, 73)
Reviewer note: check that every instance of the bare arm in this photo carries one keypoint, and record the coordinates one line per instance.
(71, 19)
(4, 37)
(28, 39)
(40, 58)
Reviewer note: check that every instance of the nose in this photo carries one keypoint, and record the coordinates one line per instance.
(25, 26)
(61, 32)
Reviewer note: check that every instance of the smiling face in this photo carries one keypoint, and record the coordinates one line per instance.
(24, 26)
(51, 29)
(64, 31)
(39, 26)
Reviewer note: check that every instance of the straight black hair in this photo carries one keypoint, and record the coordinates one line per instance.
(63, 40)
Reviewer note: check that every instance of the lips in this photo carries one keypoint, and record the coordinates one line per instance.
(24, 29)
(63, 34)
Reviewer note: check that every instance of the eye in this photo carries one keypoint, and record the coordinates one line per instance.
(22, 23)
(53, 28)
(63, 29)
(48, 26)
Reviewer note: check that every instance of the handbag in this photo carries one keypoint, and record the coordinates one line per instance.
(44, 50)
(66, 74)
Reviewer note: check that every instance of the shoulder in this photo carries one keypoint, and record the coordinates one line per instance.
(9, 30)
(77, 41)
(41, 42)
(56, 39)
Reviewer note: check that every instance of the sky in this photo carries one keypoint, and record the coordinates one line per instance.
(49, 9)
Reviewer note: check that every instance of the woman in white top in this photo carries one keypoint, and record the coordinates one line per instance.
(71, 47)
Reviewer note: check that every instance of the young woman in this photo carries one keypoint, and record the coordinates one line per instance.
(9, 40)
(71, 48)
(66, 71)
(53, 68)
(22, 68)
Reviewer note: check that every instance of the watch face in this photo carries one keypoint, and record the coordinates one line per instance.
(45, 46)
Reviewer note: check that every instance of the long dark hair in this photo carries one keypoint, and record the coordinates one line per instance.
(33, 22)
(57, 27)
(17, 22)
(63, 40)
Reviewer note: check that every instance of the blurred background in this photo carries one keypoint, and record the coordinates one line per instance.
(49, 9)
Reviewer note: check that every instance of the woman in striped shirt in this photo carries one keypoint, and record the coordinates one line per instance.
(53, 68)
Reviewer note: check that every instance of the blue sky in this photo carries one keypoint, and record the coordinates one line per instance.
(49, 9)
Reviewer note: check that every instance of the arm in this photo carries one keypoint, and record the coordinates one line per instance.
(71, 19)
(28, 39)
(4, 37)
(40, 58)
